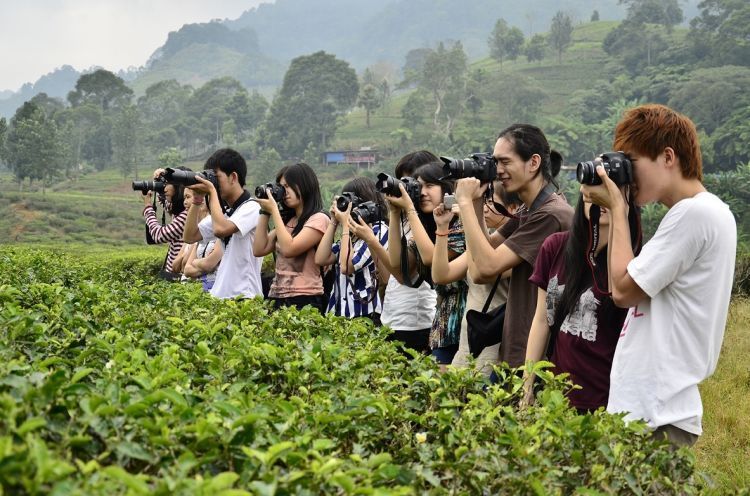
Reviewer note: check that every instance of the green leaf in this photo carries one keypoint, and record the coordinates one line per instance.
(133, 450)
(31, 424)
(134, 483)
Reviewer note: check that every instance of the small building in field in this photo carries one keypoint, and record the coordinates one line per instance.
(364, 157)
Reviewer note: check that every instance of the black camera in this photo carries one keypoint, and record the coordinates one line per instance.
(388, 185)
(617, 165)
(479, 165)
(368, 212)
(277, 192)
(146, 186)
(189, 178)
(343, 201)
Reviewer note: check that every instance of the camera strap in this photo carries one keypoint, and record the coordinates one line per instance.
(405, 261)
(229, 211)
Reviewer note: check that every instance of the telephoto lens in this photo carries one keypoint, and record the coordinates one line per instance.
(146, 186)
(480, 165)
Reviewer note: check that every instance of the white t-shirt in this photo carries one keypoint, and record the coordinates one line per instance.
(239, 271)
(408, 309)
(671, 342)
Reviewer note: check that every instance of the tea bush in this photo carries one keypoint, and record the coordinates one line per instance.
(114, 383)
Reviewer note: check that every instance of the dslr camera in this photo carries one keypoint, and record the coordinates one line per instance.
(479, 165)
(388, 185)
(344, 199)
(617, 165)
(368, 212)
(278, 192)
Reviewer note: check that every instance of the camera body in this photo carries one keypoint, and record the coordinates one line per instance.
(278, 192)
(617, 165)
(344, 199)
(368, 212)
(146, 186)
(479, 165)
(189, 178)
(388, 185)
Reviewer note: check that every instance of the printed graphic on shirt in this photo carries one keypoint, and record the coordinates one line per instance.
(582, 321)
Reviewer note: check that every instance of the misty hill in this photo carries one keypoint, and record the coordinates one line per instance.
(366, 31)
(200, 52)
(56, 84)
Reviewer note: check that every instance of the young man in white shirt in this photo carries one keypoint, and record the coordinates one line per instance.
(678, 287)
(234, 226)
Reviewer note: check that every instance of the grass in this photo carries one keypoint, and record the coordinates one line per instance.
(723, 451)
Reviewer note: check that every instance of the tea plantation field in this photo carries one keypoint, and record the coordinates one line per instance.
(114, 383)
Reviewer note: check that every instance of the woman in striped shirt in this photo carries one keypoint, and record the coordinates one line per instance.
(173, 202)
(358, 266)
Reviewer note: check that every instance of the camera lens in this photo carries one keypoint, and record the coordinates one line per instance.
(586, 173)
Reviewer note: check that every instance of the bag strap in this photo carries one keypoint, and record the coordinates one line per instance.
(492, 294)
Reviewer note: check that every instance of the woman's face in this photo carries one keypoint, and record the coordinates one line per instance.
(187, 195)
(430, 197)
(291, 198)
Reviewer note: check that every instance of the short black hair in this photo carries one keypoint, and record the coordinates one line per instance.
(411, 161)
(227, 161)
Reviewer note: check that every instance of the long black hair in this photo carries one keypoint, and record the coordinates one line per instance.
(365, 189)
(177, 205)
(302, 179)
(528, 140)
(432, 173)
(578, 273)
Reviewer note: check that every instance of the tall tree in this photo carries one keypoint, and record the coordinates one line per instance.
(560, 33)
(444, 77)
(209, 105)
(720, 34)
(505, 42)
(535, 48)
(369, 100)
(101, 88)
(33, 148)
(667, 13)
(125, 142)
(317, 89)
(3, 134)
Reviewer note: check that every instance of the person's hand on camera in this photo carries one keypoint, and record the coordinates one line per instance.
(158, 173)
(402, 202)
(442, 217)
(469, 190)
(148, 198)
(342, 217)
(607, 195)
(268, 203)
(203, 186)
(362, 230)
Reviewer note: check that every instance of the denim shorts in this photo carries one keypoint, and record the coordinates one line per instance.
(444, 355)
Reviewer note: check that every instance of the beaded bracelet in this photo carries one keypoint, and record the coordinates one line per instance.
(438, 233)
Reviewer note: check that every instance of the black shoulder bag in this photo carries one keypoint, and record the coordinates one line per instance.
(485, 328)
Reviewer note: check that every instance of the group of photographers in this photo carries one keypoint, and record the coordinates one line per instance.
(484, 257)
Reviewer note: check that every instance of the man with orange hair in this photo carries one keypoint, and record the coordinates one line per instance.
(678, 287)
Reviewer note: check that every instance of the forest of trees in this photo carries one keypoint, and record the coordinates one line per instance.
(450, 105)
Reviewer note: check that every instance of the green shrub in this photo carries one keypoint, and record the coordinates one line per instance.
(114, 383)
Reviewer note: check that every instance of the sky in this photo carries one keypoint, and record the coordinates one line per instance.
(38, 36)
